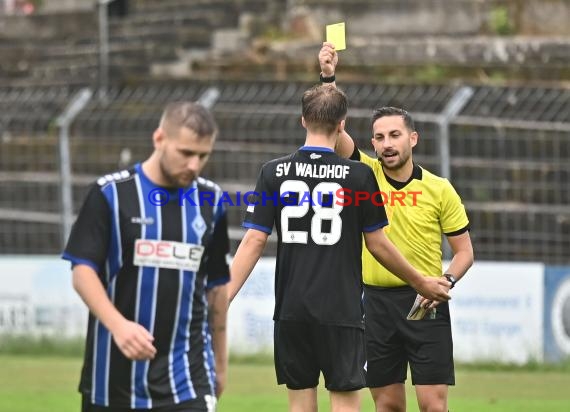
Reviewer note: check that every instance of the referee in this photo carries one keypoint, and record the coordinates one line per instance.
(149, 260)
(421, 208)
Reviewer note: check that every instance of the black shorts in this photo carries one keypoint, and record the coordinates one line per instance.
(392, 341)
(194, 405)
(304, 350)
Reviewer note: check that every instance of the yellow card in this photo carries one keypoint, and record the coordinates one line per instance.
(335, 35)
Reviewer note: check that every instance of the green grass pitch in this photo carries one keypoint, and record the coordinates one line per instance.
(43, 384)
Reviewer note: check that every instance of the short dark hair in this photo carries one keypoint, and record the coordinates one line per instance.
(394, 111)
(190, 115)
(324, 107)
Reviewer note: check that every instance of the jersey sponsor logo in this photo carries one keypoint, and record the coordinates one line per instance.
(142, 220)
(167, 254)
(315, 156)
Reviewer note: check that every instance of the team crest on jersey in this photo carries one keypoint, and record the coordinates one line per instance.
(199, 225)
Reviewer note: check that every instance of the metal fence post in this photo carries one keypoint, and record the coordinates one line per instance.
(209, 98)
(64, 120)
(103, 48)
(450, 111)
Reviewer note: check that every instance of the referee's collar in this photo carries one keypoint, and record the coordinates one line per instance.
(396, 184)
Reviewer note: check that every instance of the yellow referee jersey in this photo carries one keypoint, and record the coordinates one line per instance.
(418, 214)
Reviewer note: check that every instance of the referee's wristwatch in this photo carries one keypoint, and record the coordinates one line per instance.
(451, 279)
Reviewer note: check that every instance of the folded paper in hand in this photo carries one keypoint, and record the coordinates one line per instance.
(418, 312)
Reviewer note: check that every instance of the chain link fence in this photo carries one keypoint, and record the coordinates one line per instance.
(508, 153)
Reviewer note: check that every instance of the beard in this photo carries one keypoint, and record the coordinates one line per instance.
(173, 180)
(395, 162)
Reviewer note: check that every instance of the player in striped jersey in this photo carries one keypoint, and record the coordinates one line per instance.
(149, 260)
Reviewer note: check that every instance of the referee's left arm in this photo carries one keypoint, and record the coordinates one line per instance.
(462, 254)
(455, 225)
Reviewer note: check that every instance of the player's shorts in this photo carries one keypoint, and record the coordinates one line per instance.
(303, 350)
(392, 341)
(195, 405)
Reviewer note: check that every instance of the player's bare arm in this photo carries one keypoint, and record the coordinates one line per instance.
(218, 301)
(247, 255)
(134, 341)
(433, 288)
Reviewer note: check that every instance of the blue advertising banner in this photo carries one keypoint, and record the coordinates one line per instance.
(557, 313)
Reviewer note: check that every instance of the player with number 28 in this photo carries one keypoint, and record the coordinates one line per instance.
(318, 276)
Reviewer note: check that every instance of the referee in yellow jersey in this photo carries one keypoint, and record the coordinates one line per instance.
(420, 207)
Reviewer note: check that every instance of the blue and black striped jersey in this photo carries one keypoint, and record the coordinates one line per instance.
(156, 252)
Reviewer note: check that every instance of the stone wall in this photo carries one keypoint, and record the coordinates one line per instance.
(526, 39)
(48, 26)
(55, 6)
(442, 17)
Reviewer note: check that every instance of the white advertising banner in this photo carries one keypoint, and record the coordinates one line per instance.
(497, 313)
(497, 309)
(36, 297)
(250, 318)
